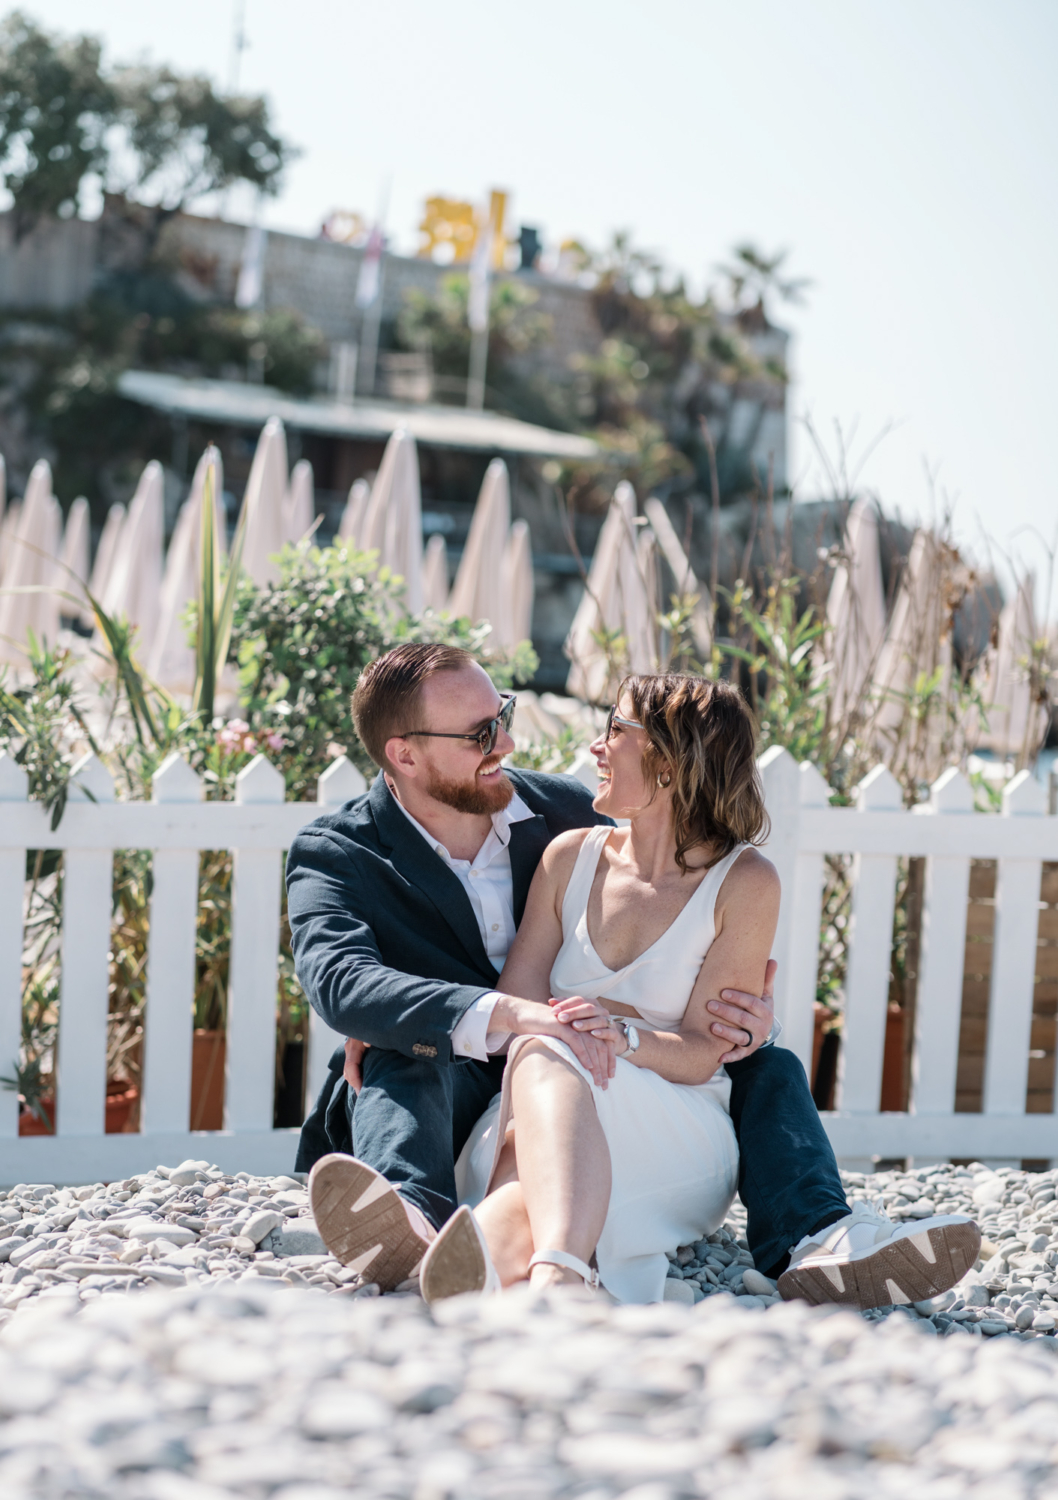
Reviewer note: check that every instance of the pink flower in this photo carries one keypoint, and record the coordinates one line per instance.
(274, 740)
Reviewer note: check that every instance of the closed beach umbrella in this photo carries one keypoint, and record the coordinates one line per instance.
(299, 508)
(171, 660)
(106, 551)
(134, 586)
(351, 525)
(393, 519)
(1015, 722)
(478, 591)
(620, 597)
(435, 575)
(8, 527)
(916, 644)
(265, 503)
(518, 585)
(32, 569)
(73, 560)
(855, 623)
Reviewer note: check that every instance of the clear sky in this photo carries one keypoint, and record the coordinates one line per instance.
(905, 151)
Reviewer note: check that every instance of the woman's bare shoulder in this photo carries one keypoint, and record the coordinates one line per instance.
(560, 855)
(751, 878)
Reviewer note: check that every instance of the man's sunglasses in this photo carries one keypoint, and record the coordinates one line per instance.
(485, 737)
(613, 717)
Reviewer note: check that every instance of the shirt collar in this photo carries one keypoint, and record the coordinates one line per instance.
(515, 812)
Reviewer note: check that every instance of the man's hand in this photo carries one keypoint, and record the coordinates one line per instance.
(745, 1020)
(354, 1057)
(530, 1018)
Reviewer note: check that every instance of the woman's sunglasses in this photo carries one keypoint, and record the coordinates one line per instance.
(485, 737)
(613, 717)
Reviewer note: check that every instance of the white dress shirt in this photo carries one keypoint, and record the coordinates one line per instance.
(489, 884)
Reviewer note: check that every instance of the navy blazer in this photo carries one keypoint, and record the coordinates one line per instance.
(386, 944)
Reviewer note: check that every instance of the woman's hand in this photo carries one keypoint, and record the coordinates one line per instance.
(532, 1018)
(590, 1016)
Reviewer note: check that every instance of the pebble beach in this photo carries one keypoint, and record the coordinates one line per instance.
(185, 1336)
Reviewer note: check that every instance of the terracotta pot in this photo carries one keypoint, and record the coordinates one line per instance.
(208, 1051)
(31, 1124)
(121, 1096)
(893, 1095)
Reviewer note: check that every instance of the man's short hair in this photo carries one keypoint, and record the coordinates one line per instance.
(387, 696)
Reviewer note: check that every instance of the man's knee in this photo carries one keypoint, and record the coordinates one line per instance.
(777, 1065)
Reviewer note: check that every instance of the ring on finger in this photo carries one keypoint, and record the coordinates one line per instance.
(749, 1036)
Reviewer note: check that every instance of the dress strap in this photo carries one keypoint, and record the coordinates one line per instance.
(578, 889)
(716, 877)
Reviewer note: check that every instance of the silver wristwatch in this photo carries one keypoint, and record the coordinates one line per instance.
(631, 1035)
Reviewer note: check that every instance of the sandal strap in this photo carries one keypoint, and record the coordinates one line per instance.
(587, 1274)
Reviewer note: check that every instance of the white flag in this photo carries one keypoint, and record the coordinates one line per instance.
(480, 261)
(251, 271)
(370, 269)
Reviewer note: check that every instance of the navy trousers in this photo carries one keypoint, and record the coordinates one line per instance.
(413, 1116)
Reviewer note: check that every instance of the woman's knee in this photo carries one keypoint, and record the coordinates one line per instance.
(537, 1065)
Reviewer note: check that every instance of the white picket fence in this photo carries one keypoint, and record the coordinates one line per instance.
(258, 826)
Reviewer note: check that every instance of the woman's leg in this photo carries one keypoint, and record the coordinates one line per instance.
(563, 1159)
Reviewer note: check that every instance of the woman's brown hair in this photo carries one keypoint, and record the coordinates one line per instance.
(701, 735)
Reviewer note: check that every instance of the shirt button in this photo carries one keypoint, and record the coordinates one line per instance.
(495, 927)
(473, 874)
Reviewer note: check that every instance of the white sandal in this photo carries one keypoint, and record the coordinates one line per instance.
(458, 1261)
(587, 1274)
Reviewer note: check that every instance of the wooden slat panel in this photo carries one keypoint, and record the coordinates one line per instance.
(982, 879)
(980, 920)
(1049, 884)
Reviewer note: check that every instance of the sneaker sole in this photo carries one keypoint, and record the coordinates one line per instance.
(376, 1238)
(896, 1273)
(455, 1263)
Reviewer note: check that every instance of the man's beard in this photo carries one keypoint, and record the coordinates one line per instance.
(472, 796)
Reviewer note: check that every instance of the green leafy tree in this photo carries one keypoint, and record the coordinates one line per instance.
(55, 108)
(149, 134)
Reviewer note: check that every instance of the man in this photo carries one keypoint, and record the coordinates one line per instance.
(402, 907)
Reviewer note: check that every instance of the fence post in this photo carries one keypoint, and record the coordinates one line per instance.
(87, 901)
(1014, 955)
(806, 905)
(870, 945)
(169, 1018)
(250, 1065)
(340, 783)
(782, 797)
(14, 785)
(942, 952)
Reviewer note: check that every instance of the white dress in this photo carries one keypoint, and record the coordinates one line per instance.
(672, 1145)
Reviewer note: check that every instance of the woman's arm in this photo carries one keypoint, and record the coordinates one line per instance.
(747, 912)
(525, 983)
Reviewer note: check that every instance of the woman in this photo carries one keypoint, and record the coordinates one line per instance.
(628, 933)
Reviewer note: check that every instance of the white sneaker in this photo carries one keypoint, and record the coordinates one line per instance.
(865, 1260)
(458, 1261)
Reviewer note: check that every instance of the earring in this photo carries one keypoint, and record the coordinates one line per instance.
(666, 783)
